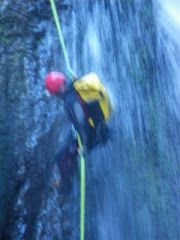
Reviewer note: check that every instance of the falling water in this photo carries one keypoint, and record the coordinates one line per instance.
(132, 183)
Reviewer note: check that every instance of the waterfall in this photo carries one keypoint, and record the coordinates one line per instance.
(132, 183)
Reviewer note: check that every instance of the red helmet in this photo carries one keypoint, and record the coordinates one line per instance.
(54, 81)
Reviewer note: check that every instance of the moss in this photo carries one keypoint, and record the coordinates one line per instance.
(140, 68)
(147, 12)
(38, 42)
(4, 31)
(5, 40)
(1, 3)
(137, 74)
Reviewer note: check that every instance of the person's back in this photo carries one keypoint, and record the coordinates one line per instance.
(89, 108)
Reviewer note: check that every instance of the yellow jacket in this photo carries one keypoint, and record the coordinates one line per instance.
(91, 89)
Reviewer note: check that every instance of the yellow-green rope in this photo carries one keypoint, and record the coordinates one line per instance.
(82, 195)
(82, 203)
(58, 26)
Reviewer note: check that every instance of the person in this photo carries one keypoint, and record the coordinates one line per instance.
(89, 108)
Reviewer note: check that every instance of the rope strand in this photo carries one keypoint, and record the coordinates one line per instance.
(82, 195)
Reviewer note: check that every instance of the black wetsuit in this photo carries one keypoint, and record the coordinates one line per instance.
(78, 113)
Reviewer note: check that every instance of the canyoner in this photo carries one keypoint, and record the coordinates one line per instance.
(89, 108)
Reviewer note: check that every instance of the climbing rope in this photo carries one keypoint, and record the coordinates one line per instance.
(82, 203)
(58, 26)
(82, 195)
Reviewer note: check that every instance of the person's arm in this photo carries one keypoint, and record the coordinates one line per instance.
(80, 122)
(76, 115)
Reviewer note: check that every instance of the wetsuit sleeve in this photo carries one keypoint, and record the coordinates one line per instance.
(80, 123)
(76, 115)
